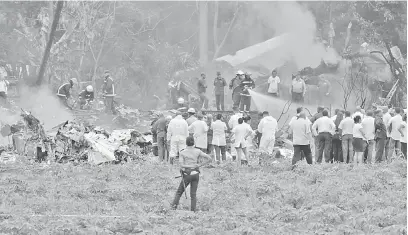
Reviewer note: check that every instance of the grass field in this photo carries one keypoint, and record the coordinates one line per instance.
(318, 199)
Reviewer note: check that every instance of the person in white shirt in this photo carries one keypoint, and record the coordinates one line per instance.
(240, 133)
(358, 112)
(267, 127)
(233, 122)
(298, 89)
(249, 139)
(403, 131)
(359, 140)
(393, 126)
(346, 132)
(301, 139)
(368, 124)
(177, 133)
(324, 129)
(274, 81)
(298, 111)
(386, 118)
(199, 129)
(218, 141)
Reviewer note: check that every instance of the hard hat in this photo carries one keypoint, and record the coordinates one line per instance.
(191, 110)
(180, 100)
(248, 73)
(74, 80)
(89, 88)
(240, 72)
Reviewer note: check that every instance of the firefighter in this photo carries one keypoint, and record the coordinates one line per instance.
(235, 86)
(86, 97)
(64, 92)
(108, 90)
(246, 85)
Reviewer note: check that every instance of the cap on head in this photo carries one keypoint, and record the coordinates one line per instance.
(180, 100)
(191, 110)
(218, 73)
(89, 88)
(240, 72)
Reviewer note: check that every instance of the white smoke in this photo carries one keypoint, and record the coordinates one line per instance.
(299, 24)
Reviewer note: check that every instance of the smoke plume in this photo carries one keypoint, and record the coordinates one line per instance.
(299, 27)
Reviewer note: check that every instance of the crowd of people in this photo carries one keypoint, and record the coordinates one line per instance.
(370, 136)
(211, 134)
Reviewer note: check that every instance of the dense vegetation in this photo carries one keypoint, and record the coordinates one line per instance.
(135, 197)
(143, 43)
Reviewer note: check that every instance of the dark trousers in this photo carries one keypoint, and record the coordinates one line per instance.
(245, 103)
(297, 97)
(3, 98)
(109, 106)
(203, 101)
(64, 101)
(191, 180)
(325, 140)
(220, 151)
(337, 151)
(236, 99)
(299, 150)
(219, 102)
(161, 148)
(379, 149)
(404, 149)
(387, 148)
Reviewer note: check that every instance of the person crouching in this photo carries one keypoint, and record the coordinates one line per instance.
(86, 97)
(189, 169)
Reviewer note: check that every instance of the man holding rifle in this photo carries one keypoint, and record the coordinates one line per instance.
(189, 158)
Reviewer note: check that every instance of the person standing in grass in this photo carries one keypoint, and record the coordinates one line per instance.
(267, 127)
(403, 130)
(324, 129)
(336, 140)
(218, 140)
(190, 170)
(199, 129)
(393, 126)
(177, 131)
(210, 148)
(386, 118)
(240, 133)
(359, 140)
(346, 133)
(368, 124)
(302, 136)
(159, 128)
(380, 136)
(249, 139)
(233, 122)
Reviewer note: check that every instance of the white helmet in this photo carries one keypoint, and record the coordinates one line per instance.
(89, 88)
(240, 72)
(191, 110)
(74, 80)
(180, 100)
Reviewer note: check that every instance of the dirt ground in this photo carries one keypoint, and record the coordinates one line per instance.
(135, 198)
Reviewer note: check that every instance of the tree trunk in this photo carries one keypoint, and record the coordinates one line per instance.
(203, 33)
(55, 21)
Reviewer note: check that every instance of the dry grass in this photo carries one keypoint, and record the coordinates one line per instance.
(318, 199)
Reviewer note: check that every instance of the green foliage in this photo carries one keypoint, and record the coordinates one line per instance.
(317, 199)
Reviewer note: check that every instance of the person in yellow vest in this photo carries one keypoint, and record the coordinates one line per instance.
(109, 93)
(298, 89)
